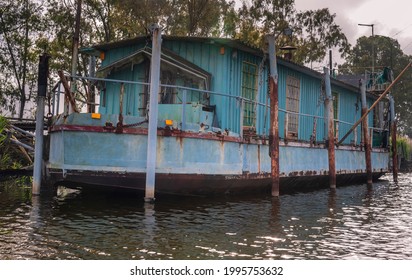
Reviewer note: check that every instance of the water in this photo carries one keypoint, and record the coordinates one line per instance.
(355, 222)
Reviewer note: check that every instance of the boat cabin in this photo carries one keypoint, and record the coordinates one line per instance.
(223, 85)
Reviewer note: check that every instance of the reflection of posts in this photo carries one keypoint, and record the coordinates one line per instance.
(275, 220)
(332, 208)
(149, 225)
(35, 211)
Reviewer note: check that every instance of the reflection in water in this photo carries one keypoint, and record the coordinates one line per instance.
(149, 227)
(354, 222)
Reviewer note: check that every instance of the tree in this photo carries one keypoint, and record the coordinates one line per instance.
(24, 23)
(176, 17)
(314, 31)
(388, 53)
(20, 22)
(318, 32)
(261, 17)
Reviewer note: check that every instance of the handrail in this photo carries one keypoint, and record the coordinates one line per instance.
(23, 131)
(375, 103)
(240, 99)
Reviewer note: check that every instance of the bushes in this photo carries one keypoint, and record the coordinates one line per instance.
(404, 147)
(11, 157)
(4, 155)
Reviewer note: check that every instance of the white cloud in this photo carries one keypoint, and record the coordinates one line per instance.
(390, 18)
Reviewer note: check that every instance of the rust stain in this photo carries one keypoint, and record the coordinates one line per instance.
(195, 184)
(331, 145)
(143, 131)
(258, 154)
(274, 135)
(367, 145)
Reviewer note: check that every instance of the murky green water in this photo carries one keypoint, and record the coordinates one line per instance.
(355, 222)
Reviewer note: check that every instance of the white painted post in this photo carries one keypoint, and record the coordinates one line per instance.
(152, 132)
(184, 109)
(38, 145)
(242, 108)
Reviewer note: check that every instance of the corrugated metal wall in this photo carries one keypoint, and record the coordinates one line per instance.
(225, 66)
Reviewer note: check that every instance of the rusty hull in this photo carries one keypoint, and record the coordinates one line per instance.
(248, 168)
(200, 184)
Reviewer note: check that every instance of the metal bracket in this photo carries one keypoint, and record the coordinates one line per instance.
(152, 27)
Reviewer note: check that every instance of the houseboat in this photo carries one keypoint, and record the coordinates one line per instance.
(213, 122)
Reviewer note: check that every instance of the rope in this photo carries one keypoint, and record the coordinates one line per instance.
(135, 124)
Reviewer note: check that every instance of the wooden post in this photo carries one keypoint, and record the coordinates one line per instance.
(331, 135)
(91, 96)
(366, 139)
(119, 126)
(69, 99)
(393, 134)
(153, 108)
(242, 112)
(184, 98)
(38, 145)
(286, 130)
(274, 116)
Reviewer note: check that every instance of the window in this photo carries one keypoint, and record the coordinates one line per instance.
(249, 91)
(292, 105)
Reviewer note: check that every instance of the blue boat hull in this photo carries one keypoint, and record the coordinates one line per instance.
(195, 163)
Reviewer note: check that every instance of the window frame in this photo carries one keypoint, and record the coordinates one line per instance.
(293, 105)
(249, 90)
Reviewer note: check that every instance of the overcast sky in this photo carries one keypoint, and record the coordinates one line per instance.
(391, 18)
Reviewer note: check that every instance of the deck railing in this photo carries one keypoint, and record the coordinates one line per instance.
(293, 126)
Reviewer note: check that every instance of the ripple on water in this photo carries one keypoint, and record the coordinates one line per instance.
(355, 222)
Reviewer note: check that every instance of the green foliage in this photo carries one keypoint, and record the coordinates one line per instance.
(404, 147)
(5, 159)
(388, 53)
(29, 28)
(319, 33)
(10, 156)
(314, 31)
(20, 25)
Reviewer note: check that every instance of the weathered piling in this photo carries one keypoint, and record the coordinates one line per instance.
(393, 134)
(153, 108)
(38, 148)
(274, 116)
(330, 128)
(91, 105)
(366, 139)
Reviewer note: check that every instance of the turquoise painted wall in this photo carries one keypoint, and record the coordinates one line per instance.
(226, 76)
(96, 151)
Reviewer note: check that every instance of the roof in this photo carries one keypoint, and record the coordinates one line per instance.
(234, 43)
(350, 79)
